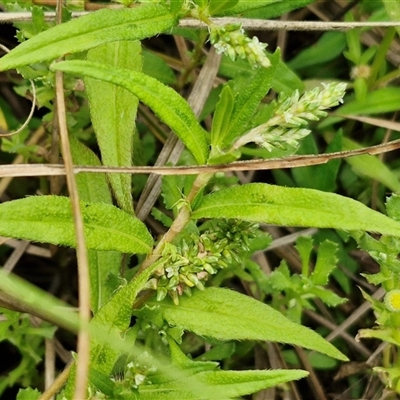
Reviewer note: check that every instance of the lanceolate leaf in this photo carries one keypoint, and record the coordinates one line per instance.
(247, 101)
(294, 207)
(113, 113)
(170, 107)
(89, 31)
(219, 385)
(222, 115)
(49, 219)
(227, 315)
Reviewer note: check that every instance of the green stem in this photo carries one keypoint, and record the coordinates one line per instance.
(179, 223)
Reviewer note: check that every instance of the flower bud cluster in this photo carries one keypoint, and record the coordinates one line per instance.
(291, 114)
(136, 373)
(190, 263)
(232, 41)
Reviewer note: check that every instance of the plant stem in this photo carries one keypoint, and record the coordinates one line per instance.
(179, 223)
(57, 384)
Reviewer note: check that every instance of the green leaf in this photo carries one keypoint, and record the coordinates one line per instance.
(28, 394)
(176, 6)
(218, 6)
(168, 105)
(317, 360)
(219, 385)
(247, 99)
(321, 177)
(92, 187)
(285, 80)
(329, 298)
(190, 366)
(393, 206)
(385, 334)
(219, 352)
(172, 190)
(222, 114)
(371, 167)
(377, 102)
(89, 31)
(326, 263)
(304, 246)
(227, 315)
(240, 383)
(156, 67)
(317, 54)
(102, 382)
(113, 113)
(294, 207)
(266, 8)
(393, 10)
(49, 219)
(246, 5)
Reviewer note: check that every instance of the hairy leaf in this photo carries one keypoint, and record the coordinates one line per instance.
(247, 101)
(49, 219)
(89, 31)
(92, 187)
(227, 315)
(219, 385)
(113, 113)
(287, 206)
(170, 107)
(326, 262)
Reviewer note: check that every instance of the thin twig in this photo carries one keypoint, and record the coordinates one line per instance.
(16, 255)
(252, 165)
(57, 384)
(313, 381)
(247, 23)
(49, 363)
(83, 346)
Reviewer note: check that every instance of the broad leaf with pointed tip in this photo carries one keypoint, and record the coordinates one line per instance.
(227, 315)
(168, 105)
(49, 219)
(89, 31)
(287, 206)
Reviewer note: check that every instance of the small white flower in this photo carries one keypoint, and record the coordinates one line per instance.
(231, 41)
(291, 114)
